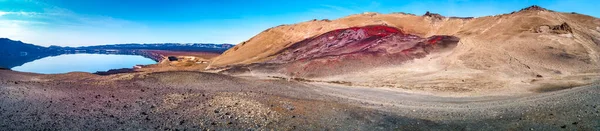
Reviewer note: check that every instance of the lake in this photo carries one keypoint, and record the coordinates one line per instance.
(83, 63)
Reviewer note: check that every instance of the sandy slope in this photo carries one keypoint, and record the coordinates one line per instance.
(494, 30)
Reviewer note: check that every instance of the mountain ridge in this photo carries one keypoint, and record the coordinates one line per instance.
(381, 19)
(499, 52)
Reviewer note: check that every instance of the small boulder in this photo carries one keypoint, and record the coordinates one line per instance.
(433, 15)
(172, 58)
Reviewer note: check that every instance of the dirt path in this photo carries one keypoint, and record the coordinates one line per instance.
(576, 105)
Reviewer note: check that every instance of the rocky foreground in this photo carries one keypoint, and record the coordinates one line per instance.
(194, 100)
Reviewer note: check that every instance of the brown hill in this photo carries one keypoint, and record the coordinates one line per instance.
(534, 47)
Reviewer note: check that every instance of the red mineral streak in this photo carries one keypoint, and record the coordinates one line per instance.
(349, 49)
(434, 40)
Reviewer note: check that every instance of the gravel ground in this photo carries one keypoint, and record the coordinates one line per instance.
(194, 101)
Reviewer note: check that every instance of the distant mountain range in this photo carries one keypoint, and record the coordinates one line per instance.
(204, 47)
(15, 53)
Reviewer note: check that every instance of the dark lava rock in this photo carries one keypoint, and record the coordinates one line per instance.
(115, 71)
(433, 15)
(562, 28)
(534, 7)
(172, 58)
(465, 18)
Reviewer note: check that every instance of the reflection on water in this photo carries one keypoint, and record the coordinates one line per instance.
(82, 62)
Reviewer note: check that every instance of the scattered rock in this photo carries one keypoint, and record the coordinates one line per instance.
(538, 76)
(433, 15)
(115, 71)
(557, 72)
(289, 107)
(563, 28)
(403, 13)
(533, 8)
(565, 55)
(596, 40)
(464, 18)
(172, 58)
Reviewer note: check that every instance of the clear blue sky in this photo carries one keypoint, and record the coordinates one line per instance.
(93, 22)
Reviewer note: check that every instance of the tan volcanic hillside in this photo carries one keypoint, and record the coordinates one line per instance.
(533, 47)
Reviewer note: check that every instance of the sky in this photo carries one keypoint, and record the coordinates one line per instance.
(96, 22)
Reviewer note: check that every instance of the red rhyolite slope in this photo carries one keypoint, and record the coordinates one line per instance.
(356, 48)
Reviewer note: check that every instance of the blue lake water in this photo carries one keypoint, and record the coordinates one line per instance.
(83, 63)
